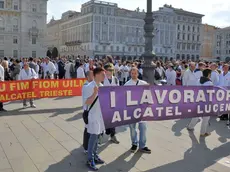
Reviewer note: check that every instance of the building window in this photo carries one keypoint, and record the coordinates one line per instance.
(141, 49)
(104, 48)
(118, 48)
(129, 49)
(1, 4)
(178, 27)
(96, 47)
(15, 40)
(183, 27)
(189, 28)
(111, 48)
(1, 39)
(34, 8)
(193, 29)
(198, 29)
(2, 53)
(193, 37)
(15, 6)
(2, 24)
(34, 54)
(198, 37)
(183, 36)
(15, 25)
(188, 47)
(15, 53)
(34, 40)
(178, 36)
(188, 37)
(123, 49)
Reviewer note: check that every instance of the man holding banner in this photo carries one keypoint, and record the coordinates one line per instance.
(111, 80)
(203, 81)
(95, 125)
(142, 125)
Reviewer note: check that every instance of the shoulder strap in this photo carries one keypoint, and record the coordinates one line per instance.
(137, 82)
(93, 103)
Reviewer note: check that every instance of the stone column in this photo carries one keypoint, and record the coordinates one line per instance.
(148, 56)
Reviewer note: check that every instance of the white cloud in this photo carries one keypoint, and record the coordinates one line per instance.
(216, 12)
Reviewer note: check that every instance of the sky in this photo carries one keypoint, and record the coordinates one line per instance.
(217, 12)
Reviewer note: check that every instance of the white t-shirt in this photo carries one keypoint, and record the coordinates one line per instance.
(95, 120)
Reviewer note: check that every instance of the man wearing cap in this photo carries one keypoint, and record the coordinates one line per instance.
(203, 81)
(215, 77)
(171, 75)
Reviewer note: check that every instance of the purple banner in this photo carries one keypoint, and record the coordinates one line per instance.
(130, 104)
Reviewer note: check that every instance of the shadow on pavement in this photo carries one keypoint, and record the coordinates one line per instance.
(76, 117)
(179, 126)
(196, 159)
(27, 111)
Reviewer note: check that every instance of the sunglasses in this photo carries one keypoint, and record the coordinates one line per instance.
(110, 70)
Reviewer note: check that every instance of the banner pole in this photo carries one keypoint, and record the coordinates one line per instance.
(228, 123)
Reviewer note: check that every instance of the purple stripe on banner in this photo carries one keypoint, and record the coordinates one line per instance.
(131, 104)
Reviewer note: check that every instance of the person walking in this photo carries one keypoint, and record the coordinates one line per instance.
(142, 125)
(204, 81)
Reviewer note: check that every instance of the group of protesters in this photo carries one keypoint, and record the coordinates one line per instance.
(110, 71)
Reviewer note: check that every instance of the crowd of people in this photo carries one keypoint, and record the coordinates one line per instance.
(110, 71)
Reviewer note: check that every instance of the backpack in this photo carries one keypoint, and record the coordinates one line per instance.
(156, 75)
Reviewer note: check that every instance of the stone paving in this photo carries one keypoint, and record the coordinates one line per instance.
(49, 139)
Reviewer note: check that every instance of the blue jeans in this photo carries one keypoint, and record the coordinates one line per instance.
(92, 147)
(133, 134)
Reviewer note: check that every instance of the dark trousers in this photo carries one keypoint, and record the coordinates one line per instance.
(61, 75)
(1, 105)
(86, 139)
(111, 132)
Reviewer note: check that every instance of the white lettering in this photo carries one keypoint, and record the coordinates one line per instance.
(116, 117)
(200, 96)
(215, 107)
(227, 108)
(174, 96)
(199, 111)
(188, 96)
(221, 107)
(129, 101)
(159, 111)
(161, 97)
(228, 95)
(177, 113)
(148, 112)
(210, 94)
(126, 117)
(147, 97)
(112, 99)
(220, 94)
(207, 108)
(137, 113)
(169, 111)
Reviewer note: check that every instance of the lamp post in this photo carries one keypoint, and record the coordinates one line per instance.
(148, 56)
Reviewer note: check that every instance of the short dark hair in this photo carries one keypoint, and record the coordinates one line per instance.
(31, 59)
(17, 61)
(207, 72)
(97, 70)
